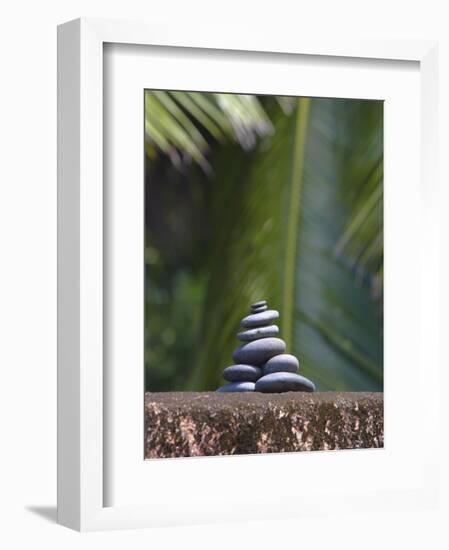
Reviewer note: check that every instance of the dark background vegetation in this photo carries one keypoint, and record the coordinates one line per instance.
(260, 197)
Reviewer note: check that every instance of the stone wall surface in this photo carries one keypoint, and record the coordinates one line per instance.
(183, 424)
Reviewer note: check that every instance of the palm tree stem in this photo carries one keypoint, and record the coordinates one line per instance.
(293, 213)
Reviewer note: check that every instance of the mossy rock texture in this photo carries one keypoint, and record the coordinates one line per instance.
(184, 424)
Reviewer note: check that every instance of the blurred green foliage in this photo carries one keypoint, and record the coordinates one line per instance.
(260, 197)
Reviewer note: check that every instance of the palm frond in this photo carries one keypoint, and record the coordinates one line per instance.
(338, 329)
(361, 239)
(179, 124)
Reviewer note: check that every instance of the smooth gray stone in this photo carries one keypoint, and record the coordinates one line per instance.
(259, 304)
(236, 387)
(280, 382)
(259, 351)
(258, 309)
(281, 363)
(242, 373)
(259, 332)
(260, 319)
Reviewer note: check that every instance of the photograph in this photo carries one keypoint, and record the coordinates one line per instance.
(263, 257)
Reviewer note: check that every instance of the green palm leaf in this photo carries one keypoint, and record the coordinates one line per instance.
(338, 328)
(362, 236)
(178, 123)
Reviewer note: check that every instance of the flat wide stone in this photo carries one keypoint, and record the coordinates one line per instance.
(183, 424)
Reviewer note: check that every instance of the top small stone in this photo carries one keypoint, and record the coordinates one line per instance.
(256, 305)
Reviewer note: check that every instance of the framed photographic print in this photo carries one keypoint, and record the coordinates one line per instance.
(250, 196)
(242, 225)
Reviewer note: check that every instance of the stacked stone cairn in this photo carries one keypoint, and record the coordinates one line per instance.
(261, 363)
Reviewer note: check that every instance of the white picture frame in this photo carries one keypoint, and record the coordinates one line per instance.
(86, 400)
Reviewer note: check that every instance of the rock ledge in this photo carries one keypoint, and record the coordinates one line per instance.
(183, 424)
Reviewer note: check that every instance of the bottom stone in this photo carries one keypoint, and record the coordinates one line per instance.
(184, 424)
(237, 387)
(279, 382)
